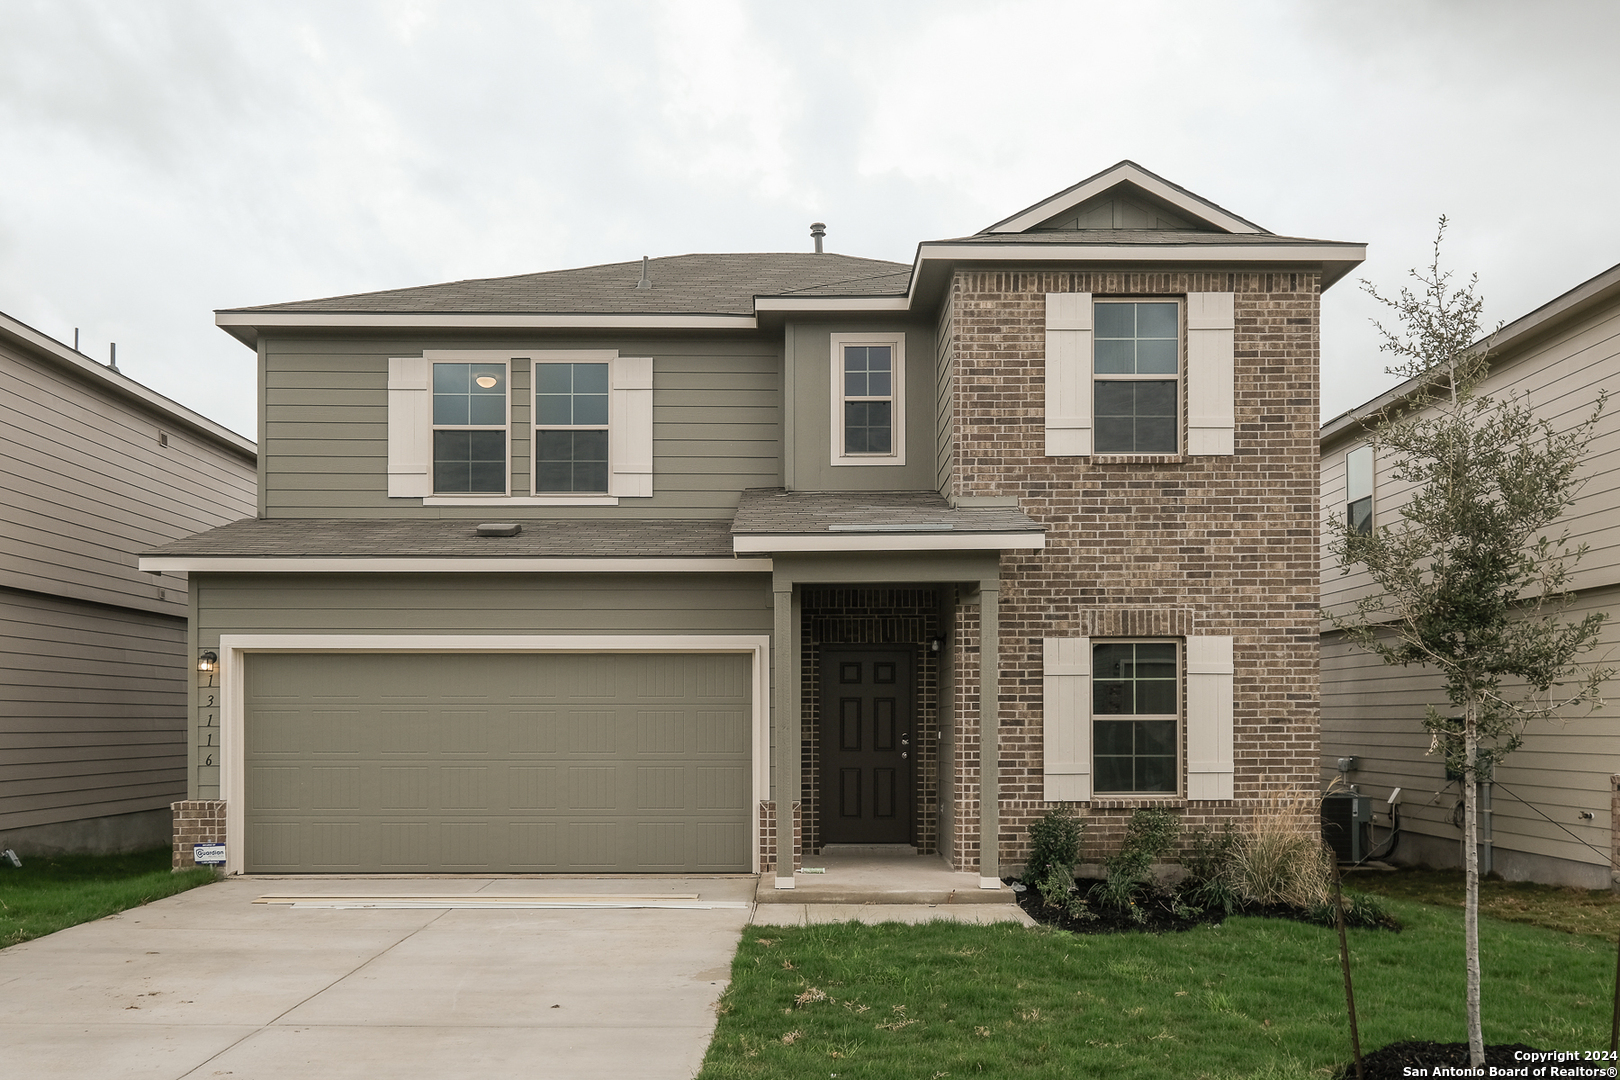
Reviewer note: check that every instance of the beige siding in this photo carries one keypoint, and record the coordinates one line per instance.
(86, 485)
(810, 397)
(1374, 712)
(92, 710)
(716, 426)
(473, 604)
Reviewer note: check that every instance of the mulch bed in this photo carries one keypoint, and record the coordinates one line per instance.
(1393, 1061)
(1156, 917)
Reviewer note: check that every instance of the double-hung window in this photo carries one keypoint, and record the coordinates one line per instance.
(1136, 368)
(571, 428)
(1135, 716)
(544, 427)
(1358, 497)
(1140, 376)
(469, 428)
(868, 399)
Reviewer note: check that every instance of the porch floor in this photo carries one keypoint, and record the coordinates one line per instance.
(880, 877)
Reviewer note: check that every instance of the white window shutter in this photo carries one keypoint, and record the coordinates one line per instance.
(410, 427)
(1209, 718)
(630, 428)
(1068, 374)
(1066, 719)
(1211, 416)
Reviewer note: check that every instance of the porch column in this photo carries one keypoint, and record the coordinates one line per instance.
(785, 750)
(989, 735)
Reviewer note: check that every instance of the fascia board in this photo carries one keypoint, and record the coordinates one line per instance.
(756, 543)
(269, 564)
(122, 385)
(232, 321)
(832, 303)
(1153, 185)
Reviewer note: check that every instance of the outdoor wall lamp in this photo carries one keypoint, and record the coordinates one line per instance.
(936, 644)
(208, 662)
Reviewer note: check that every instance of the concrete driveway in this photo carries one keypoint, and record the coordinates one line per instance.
(210, 984)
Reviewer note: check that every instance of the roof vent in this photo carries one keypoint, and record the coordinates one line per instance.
(500, 529)
(645, 282)
(818, 229)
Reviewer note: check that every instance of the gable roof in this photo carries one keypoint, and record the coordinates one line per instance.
(1127, 178)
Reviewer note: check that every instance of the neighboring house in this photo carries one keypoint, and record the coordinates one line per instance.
(94, 468)
(698, 564)
(1551, 818)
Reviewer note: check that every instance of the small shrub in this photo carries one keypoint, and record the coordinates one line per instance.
(1058, 892)
(1150, 834)
(1279, 857)
(1209, 882)
(1054, 842)
(1359, 910)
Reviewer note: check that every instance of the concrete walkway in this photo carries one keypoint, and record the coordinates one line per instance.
(871, 886)
(210, 984)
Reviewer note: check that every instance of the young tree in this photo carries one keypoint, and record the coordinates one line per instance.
(1472, 581)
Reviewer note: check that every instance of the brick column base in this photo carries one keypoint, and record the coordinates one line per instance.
(198, 821)
(798, 837)
(767, 837)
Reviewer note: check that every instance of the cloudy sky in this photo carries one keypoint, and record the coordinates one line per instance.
(165, 158)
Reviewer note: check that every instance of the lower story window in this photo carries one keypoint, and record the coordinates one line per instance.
(1136, 714)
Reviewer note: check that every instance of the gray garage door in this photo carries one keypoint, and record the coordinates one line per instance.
(497, 763)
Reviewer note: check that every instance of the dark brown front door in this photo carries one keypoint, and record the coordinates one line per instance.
(867, 749)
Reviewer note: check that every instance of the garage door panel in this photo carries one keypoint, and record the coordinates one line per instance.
(582, 782)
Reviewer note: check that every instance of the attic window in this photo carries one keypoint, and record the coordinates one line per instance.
(868, 400)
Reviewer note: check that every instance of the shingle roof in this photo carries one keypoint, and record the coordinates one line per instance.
(340, 538)
(776, 512)
(723, 284)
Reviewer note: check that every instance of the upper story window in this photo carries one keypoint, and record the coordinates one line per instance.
(571, 428)
(1358, 498)
(1136, 366)
(868, 399)
(469, 428)
(1136, 715)
(583, 434)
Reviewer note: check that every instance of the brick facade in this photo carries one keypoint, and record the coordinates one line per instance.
(198, 821)
(1145, 545)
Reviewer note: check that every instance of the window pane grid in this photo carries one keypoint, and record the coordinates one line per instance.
(868, 399)
(1135, 345)
(1136, 704)
(571, 428)
(469, 428)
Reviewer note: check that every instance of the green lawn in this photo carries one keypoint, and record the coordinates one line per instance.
(1254, 998)
(1575, 911)
(49, 893)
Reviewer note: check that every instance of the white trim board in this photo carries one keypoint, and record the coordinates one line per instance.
(234, 649)
(1007, 541)
(362, 564)
(1123, 173)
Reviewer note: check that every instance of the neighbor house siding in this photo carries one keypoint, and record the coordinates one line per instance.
(471, 605)
(1138, 546)
(1374, 712)
(92, 714)
(716, 425)
(86, 483)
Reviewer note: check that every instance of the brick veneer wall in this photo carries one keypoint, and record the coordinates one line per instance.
(871, 616)
(1140, 545)
(199, 821)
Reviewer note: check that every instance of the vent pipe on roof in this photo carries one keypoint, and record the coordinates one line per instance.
(75, 339)
(645, 282)
(817, 231)
(112, 355)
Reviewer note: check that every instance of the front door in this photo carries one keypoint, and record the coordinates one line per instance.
(867, 724)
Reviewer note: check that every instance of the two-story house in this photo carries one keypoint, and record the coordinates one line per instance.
(700, 563)
(1553, 806)
(94, 469)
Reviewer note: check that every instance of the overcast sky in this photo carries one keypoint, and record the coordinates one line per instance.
(159, 159)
